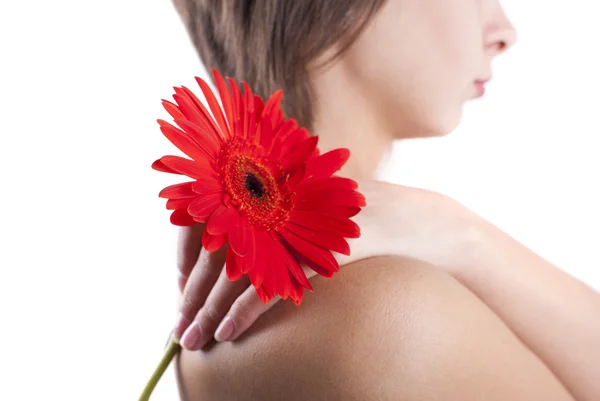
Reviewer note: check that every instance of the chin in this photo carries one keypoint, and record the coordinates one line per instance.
(447, 123)
(439, 127)
(437, 123)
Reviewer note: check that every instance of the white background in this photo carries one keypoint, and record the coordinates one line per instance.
(87, 255)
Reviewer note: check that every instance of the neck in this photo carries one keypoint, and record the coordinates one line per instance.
(343, 118)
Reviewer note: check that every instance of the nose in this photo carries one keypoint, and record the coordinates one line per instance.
(500, 34)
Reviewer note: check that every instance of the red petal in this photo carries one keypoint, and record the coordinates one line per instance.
(278, 119)
(192, 113)
(214, 107)
(314, 266)
(293, 266)
(300, 153)
(280, 136)
(327, 164)
(205, 205)
(258, 105)
(182, 141)
(181, 217)
(320, 256)
(266, 133)
(273, 103)
(240, 237)
(205, 139)
(185, 166)
(173, 204)
(333, 182)
(296, 177)
(276, 277)
(201, 110)
(253, 129)
(338, 211)
(263, 295)
(199, 219)
(213, 243)
(327, 197)
(234, 272)
(236, 103)
(222, 220)
(237, 127)
(248, 108)
(297, 293)
(325, 223)
(275, 150)
(178, 191)
(172, 109)
(251, 126)
(292, 140)
(225, 100)
(287, 128)
(272, 108)
(248, 97)
(248, 263)
(256, 273)
(278, 272)
(254, 264)
(206, 186)
(159, 166)
(327, 241)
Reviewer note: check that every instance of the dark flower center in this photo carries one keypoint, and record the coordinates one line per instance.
(254, 186)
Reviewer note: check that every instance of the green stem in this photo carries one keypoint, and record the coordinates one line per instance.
(170, 352)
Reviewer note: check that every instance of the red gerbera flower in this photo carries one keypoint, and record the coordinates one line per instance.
(260, 185)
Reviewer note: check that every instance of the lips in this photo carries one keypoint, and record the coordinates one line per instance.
(480, 87)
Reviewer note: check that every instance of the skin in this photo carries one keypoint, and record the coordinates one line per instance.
(385, 329)
(407, 76)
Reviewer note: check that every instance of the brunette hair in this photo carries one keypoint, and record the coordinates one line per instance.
(269, 43)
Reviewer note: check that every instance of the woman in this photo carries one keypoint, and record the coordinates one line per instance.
(457, 309)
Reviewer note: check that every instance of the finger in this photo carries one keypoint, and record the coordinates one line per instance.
(220, 299)
(189, 245)
(201, 281)
(246, 310)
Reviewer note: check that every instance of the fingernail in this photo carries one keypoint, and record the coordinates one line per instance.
(191, 337)
(225, 330)
(179, 325)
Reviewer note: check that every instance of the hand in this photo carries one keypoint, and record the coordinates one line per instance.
(397, 220)
(208, 294)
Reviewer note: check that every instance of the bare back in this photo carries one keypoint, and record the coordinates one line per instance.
(382, 329)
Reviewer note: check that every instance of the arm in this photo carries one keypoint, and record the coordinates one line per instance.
(555, 315)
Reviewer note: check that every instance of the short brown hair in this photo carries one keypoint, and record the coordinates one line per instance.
(269, 43)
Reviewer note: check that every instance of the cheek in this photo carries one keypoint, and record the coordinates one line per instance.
(428, 101)
(423, 97)
(440, 83)
(417, 66)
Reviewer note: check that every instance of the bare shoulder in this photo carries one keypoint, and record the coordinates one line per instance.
(382, 329)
